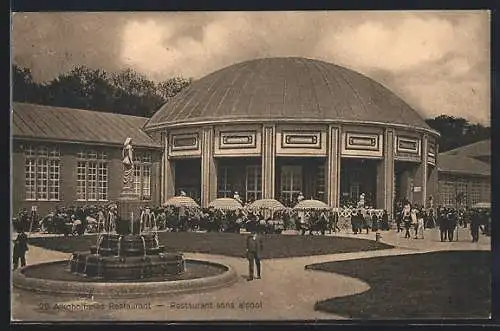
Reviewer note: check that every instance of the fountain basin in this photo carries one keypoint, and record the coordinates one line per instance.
(56, 278)
(126, 267)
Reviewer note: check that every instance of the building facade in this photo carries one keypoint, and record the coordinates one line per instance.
(267, 128)
(465, 175)
(63, 157)
(271, 128)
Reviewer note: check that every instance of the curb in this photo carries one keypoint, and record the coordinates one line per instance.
(123, 290)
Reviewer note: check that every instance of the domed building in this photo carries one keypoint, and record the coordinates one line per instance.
(277, 127)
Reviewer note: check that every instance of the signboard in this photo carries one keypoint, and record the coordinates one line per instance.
(417, 189)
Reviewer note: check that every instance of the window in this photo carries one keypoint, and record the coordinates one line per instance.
(320, 183)
(447, 193)
(355, 186)
(461, 196)
(475, 192)
(253, 183)
(92, 176)
(142, 175)
(223, 186)
(42, 173)
(291, 182)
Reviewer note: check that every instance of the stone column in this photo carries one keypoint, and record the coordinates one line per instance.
(268, 161)
(421, 174)
(385, 175)
(432, 182)
(168, 172)
(332, 169)
(208, 167)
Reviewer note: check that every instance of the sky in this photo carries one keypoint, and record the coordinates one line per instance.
(437, 61)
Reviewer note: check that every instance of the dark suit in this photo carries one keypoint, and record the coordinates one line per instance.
(254, 250)
(20, 248)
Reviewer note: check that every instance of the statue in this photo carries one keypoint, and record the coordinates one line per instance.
(128, 164)
(361, 202)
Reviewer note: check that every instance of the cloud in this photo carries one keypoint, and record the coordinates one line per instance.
(416, 40)
(434, 60)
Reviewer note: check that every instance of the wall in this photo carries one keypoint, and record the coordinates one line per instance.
(68, 175)
(448, 187)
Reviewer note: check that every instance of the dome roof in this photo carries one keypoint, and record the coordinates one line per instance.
(286, 88)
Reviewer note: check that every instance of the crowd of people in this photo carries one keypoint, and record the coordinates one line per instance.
(415, 218)
(409, 219)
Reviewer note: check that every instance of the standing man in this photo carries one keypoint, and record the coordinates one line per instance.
(474, 226)
(254, 249)
(20, 249)
(452, 217)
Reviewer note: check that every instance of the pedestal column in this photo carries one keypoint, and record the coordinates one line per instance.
(168, 172)
(385, 175)
(332, 169)
(208, 168)
(420, 181)
(268, 161)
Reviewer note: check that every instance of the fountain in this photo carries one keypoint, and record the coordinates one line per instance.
(124, 264)
(124, 255)
(127, 259)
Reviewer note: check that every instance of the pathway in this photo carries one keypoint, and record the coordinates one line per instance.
(286, 292)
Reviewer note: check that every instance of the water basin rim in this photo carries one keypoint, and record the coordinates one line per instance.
(19, 274)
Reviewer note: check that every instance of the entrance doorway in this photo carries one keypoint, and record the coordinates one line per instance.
(358, 176)
(295, 175)
(188, 178)
(242, 175)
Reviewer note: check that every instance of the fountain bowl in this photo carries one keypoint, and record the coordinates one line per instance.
(55, 278)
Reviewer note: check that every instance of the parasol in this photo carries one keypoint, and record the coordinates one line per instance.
(226, 204)
(269, 204)
(481, 205)
(181, 201)
(311, 204)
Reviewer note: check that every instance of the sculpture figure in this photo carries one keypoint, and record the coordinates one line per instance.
(361, 202)
(128, 164)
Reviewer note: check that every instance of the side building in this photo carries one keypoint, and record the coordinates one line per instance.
(63, 156)
(464, 175)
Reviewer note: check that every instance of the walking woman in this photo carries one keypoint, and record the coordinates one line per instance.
(406, 215)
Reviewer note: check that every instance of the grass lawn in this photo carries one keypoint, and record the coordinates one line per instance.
(230, 244)
(434, 285)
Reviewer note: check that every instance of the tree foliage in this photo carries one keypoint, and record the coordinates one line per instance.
(126, 92)
(457, 131)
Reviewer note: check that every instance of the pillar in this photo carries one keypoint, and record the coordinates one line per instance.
(168, 172)
(420, 178)
(268, 161)
(208, 167)
(432, 182)
(385, 175)
(332, 177)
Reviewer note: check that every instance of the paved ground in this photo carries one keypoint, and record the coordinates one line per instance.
(286, 291)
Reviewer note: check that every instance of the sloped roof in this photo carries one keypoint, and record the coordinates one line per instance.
(286, 88)
(462, 165)
(477, 149)
(77, 125)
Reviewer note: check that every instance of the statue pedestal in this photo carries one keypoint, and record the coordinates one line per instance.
(129, 212)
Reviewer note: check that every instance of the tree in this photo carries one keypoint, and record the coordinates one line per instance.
(22, 84)
(457, 131)
(125, 92)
